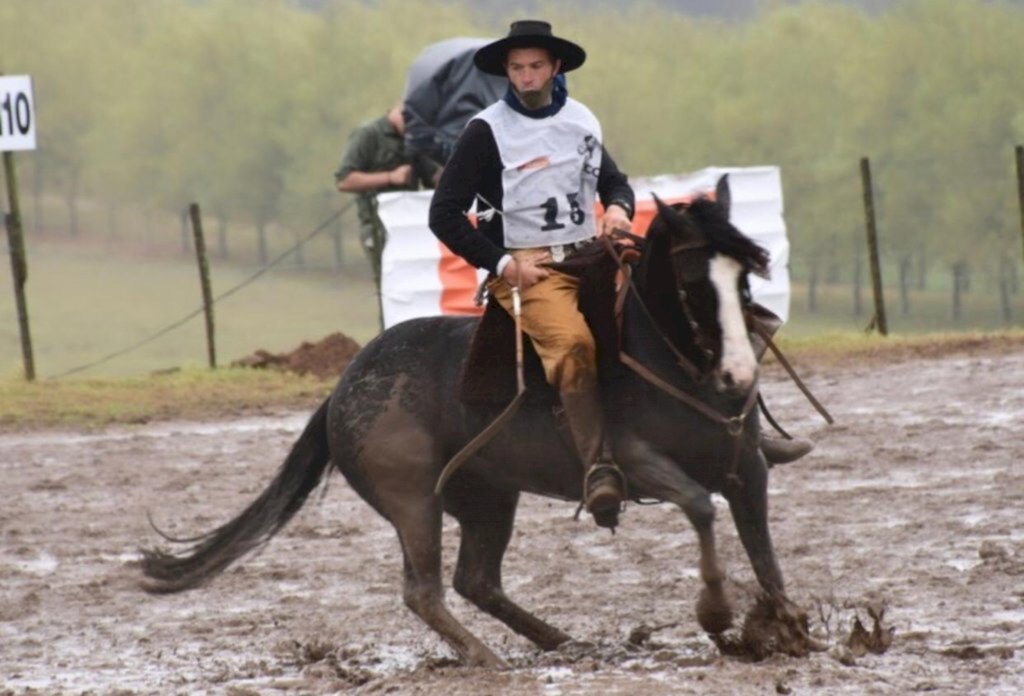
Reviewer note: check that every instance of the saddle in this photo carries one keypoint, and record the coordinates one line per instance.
(489, 373)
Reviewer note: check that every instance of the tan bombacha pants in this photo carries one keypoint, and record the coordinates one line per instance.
(558, 331)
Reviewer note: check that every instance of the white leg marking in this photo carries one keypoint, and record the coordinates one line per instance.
(738, 361)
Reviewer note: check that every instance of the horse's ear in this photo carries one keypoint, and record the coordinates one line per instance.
(678, 222)
(723, 196)
(670, 214)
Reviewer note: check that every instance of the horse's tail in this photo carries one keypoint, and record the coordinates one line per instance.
(213, 552)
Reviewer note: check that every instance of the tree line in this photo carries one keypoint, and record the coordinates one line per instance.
(245, 105)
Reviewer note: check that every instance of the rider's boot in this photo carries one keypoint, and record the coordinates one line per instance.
(603, 481)
(779, 450)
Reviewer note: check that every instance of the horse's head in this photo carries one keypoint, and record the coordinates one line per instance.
(710, 260)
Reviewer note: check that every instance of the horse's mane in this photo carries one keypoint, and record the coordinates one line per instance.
(657, 287)
(725, 239)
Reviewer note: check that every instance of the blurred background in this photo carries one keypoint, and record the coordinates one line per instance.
(244, 106)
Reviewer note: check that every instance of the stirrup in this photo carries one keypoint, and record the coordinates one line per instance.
(605, 515)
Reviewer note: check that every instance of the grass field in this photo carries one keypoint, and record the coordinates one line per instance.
(202, 394)
(85, 304)
(196, 394)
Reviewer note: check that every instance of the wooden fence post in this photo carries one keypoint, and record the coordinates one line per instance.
(1020, 190)
(19, 265)
(872, 231)
(204, 279)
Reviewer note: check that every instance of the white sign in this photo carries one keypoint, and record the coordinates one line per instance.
(17, 114)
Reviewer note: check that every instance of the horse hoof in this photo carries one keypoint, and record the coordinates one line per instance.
(713, 611)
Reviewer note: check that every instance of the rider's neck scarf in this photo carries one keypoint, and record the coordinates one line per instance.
(559, 93)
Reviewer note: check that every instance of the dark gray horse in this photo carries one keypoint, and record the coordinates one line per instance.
(680, 424)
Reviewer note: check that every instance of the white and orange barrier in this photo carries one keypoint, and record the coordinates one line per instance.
(421, 277)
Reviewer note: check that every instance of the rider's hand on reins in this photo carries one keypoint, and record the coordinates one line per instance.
(614, 218)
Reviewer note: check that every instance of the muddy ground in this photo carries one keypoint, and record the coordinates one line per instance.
(912, 501)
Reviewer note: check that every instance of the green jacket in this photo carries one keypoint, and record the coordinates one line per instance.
(375, 146)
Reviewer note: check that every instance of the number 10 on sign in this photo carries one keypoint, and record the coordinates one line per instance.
(17, 114)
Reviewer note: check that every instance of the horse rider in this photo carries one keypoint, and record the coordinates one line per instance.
(534, 162)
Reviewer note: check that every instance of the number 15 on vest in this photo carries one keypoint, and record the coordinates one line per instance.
(17, 114)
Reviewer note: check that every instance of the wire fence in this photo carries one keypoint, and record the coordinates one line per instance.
(272, 263)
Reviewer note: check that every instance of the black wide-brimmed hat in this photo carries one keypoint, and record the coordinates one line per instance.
(528, 33)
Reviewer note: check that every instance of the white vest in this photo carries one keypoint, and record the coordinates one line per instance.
(549, 174)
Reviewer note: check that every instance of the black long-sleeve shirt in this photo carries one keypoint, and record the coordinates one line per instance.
(475, 168)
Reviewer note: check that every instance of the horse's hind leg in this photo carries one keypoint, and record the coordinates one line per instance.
(395, 472)
(420, 534)
(486, 516)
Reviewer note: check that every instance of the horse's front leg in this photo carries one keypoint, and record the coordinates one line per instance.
(748, 502)
(652, 474)
(780, 625)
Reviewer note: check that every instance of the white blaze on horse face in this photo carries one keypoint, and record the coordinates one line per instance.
(738, 361)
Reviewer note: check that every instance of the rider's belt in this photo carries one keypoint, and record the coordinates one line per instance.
(561, 252)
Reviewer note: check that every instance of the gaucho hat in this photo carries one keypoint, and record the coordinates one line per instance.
(528, 33)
